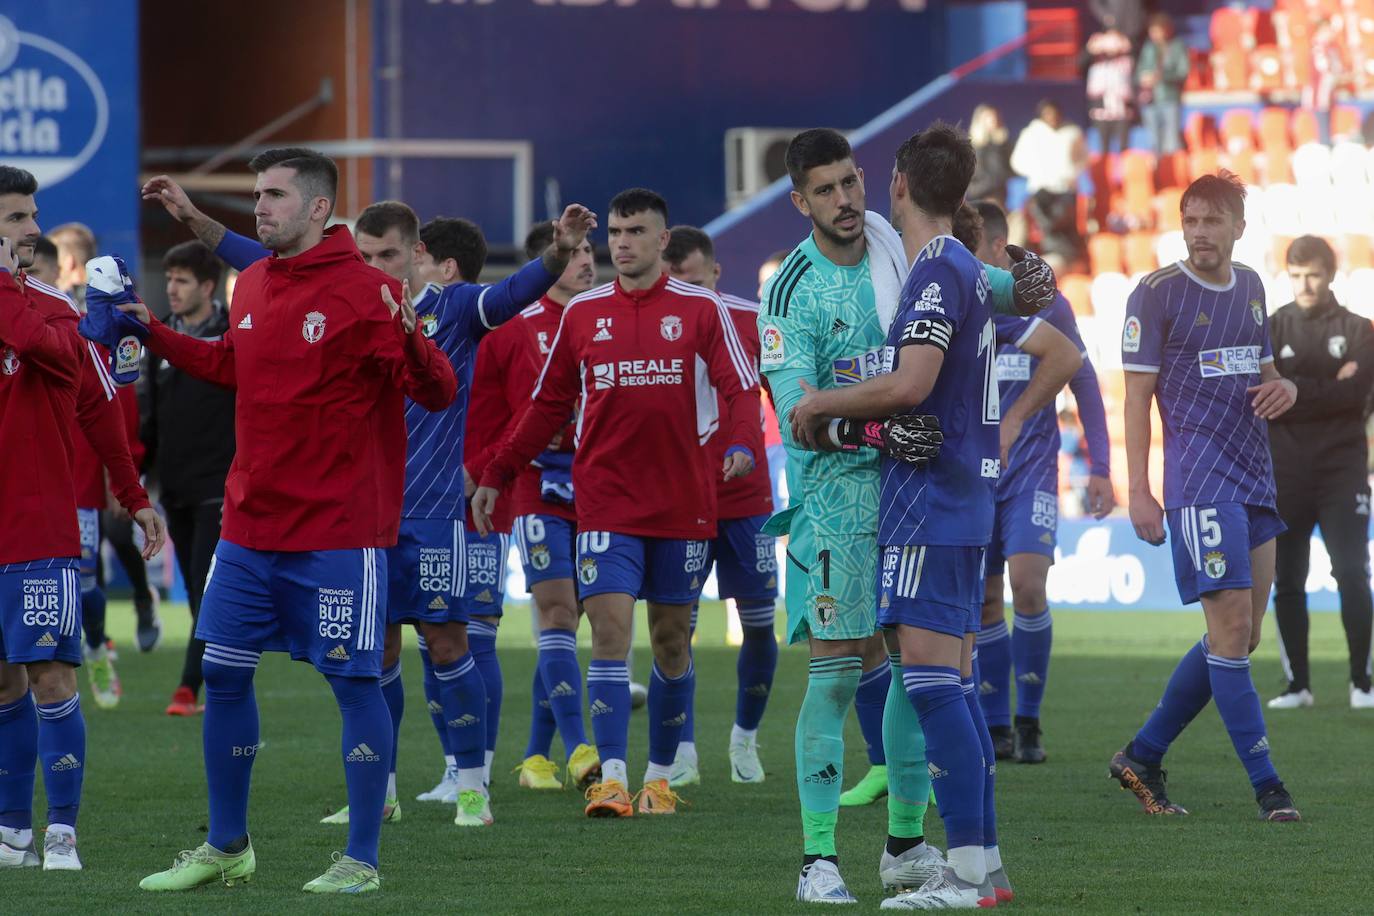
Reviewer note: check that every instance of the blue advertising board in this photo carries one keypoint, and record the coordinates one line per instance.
(69, 113)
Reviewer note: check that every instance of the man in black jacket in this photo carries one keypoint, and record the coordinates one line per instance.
(1321, 465)
(188, 429)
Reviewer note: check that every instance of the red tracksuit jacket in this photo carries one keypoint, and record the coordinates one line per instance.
(48, 376)
(322, 372)
(499, 394)
(743, 497)
(642, 364)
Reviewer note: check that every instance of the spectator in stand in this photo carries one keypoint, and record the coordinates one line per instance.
(992, 146)
(45, 268)
(1125, 16)
(1111, 88)
(1050, 153)
(1328, 69)
(188, 429)
(1160, 74)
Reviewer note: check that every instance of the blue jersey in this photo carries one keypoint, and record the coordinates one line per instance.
(1206, 343)
(945, 303)
(1033, 463)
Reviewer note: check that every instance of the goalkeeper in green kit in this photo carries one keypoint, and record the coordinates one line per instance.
(823, 323)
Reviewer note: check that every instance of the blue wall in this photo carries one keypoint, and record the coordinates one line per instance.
(87, 166)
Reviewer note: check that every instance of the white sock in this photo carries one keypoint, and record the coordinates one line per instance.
(470, 778)
(13, 836)
(486, 769)
(657, 771)
(742, 735)
(969, 864)
(686, 750)
(391, 785)
(614, 769)
(450, 762)
(993, 856)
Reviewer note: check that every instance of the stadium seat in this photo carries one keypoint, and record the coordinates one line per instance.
(1281, 203)
(1278, 164)
(1230, 70)
(1231, 28)
(1358, 252)
(1171, 171)
(1138, 183)
(1167, 203)
(1237, 130)
(1200, 132)
(1360, 290)
(1348, 165)
(1139, 251)
(1170, 247)
(1253, 247)
(1109, 293)
(1272, 128)
(1278, 289)
(1204, 161)
(1345, 119)
(1317, 216)
(1243, 164)
(1305, 127)
(1100, 173)
(1266, 69)
(1312, 166)
(1279, 251)
(1077, 288)
(1340, 286)
(1104, 252)
(1356, 214)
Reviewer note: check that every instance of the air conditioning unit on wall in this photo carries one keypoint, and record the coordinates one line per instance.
(754, 159)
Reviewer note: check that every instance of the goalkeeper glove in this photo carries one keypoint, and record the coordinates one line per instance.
(1033, 282)
(911, 439)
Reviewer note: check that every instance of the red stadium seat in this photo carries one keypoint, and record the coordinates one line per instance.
(1140, 252)
(1243, 164)
(1230, 70)
(1273, 129)
(1205, 161)
(1266, 69)
(1229, 28)
(1138, 183)
(1237, 130)
(1167, 209)
(1305, 127)
(1104, 252)
(1200, 132)
(1278, 165)
(1099, 170)
(1172, 171)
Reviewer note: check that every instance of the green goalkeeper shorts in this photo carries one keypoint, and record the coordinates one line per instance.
(831, 584)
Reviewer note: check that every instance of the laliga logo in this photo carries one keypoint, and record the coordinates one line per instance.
(53, 109)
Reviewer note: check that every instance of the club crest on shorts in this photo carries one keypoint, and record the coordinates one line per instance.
(1336, 346)
(313, 328)
(825, 610)
(586, 570)
(670, 327)
(1257, 310)
(9, 363)
(539, 557)
(429, 324)
(1214, 564)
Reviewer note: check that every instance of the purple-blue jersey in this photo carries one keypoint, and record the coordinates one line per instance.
(456, 318)
(944, 303)
(1207, 344)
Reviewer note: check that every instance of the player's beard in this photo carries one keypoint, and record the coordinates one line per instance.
(284, 236)
(24, 251)
(842, 238)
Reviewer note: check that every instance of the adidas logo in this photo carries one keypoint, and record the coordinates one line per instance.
(935, 772)
(66, 762)
(338, 654)
(1202, 320)
(772, 582)
(438, 604)
(46, 641)
(1047, 538)
(1261, 746)
(826, 777)
(1286, 352)
(484, 596)
(601, 335)
(362, 754)
(435, 707)
(885, 601)
(1030, 677)
(696, 583)
(247, 323)
(985, 688)
(601, 708)
(676, 721)
(837, 327)
(561, 689)
(463, 721)
(758, 690)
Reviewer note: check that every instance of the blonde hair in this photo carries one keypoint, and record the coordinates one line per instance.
(985, 126)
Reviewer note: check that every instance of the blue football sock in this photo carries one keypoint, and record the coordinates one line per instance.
(1188, 692)
(93, 616)
(1030, 647)
(229, 738)
(563, 684)
(758, 661)
(433, 702)
(1239, 706)
(366, 749)
(667, 708)
(394, 692)
(464, 698)
(994, 686)
(608, 696)
(542, 722)
(62, 752)
(482, 643)
(954, 750)
(975, 709)
(868, 704)
(18, 758)
(689, 727)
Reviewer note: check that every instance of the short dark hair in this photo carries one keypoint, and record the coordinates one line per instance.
(811, 149)
(968, 227)
(683, 240)
(1312, 249)
(539, 239)
(1044, 105)
(1223, 191)
(196, 257)
(460, 239)
(316, 173)
(14, 180)
(45, 248)
(994, 219)
(938, 163)
(637, 200)
(377, 218)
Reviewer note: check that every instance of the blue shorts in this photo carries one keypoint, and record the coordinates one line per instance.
(746, 560)
(1026, 522)
(548, 546)
(484, 574)
(932, 587)
(40, 614)
(1212, 544)
(662, 570)
(88, 520)
(327, 607)
(439, 572)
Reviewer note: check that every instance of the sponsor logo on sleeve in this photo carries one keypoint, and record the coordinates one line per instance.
(772, 346)
(1130, 335)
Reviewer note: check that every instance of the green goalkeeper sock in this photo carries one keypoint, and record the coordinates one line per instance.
(908, 779)
(830, 690)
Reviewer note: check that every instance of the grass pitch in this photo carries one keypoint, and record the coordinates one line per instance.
(1072, 841)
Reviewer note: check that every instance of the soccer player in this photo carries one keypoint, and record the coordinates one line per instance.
(1023, 535)
(745, 557)
(936, 519)
(546, 533)
(45, 268)
(1321, 462)
(49, 378)
(638, 353)
(1196, 338)
(322, 355)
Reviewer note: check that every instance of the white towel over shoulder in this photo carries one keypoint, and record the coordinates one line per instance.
(886, 263)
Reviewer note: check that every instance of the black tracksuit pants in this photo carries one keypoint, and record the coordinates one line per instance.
(195, 532)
